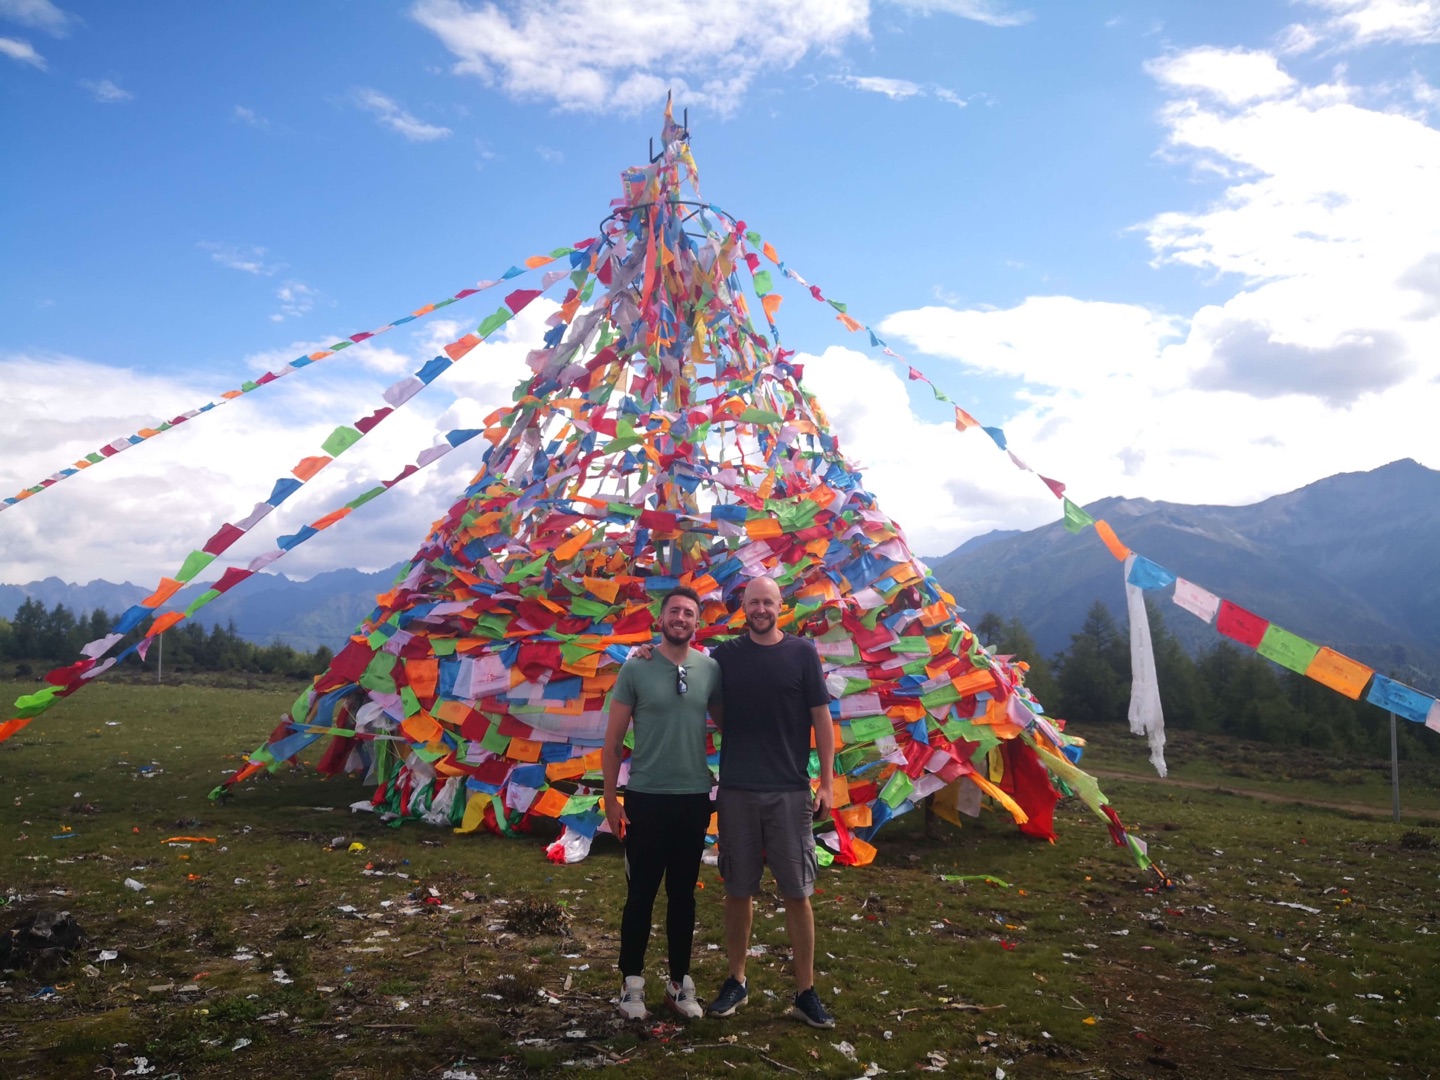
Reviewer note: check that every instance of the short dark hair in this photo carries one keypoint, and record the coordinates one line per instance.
(681, 590)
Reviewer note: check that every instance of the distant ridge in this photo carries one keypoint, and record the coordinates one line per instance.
(270, 609)
(1351, 561)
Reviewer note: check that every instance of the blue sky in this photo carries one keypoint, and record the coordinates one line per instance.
(1179, 251)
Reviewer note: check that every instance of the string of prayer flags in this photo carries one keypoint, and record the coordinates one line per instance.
(72, 678)
(577, 253)
(1329, 668)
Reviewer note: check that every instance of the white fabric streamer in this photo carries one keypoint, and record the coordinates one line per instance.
(1146, 717)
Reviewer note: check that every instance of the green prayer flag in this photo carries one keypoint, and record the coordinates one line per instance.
(194, 563)
(956, 730)
(911, 643)
(793, 516)
(1076, 518)
(754, 415)
(944, 694)
(870, 728)
(1287, 649)
(589, 609)
(763, 284)
(492, 625)
(340, 440)
(34, 704)
(572, 653)
(494, 741)
(201, 600)
(494, 322)
(382, 663)
(361, 500)
(527, 570)
(897, 790)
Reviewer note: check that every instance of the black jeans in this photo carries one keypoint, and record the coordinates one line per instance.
(665, 840)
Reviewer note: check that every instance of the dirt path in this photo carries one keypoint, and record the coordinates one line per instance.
(1263, 796)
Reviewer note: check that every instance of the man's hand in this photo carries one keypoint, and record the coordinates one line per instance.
(643, 652)
(615, 816)
(824, 803)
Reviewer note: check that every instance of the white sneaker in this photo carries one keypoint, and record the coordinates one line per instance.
(632, 998)
(680, 998)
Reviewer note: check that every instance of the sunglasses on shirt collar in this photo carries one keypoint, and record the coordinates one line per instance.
(681, 675)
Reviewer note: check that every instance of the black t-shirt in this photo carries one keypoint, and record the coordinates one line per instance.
(768, 691)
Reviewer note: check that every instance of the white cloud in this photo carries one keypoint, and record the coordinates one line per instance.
(1328, 220)
(600, 56)
(105, 91)
(1054, 341)
(392, 116)
(1363, 22)
(989, 12)
(894, 89)
(550, 154)
(22, 52)
(251, 260)
(40, 14)
(250, 118)
(1234, 75)
(296, 299)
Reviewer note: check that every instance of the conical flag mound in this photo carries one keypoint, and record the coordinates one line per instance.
(664, 440)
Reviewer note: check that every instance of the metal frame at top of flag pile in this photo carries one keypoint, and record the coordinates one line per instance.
(116, 446)
(1317, 662)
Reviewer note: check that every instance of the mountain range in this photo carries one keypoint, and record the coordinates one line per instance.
(1351, 561)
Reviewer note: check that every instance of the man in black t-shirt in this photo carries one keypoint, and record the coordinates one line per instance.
(774, 696)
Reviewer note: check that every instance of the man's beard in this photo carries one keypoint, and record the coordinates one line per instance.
(670, 636)
(760, 623)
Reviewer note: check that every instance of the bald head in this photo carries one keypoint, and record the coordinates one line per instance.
(761, 603)
(761, 585)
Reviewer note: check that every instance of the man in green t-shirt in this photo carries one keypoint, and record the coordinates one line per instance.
(667, 797)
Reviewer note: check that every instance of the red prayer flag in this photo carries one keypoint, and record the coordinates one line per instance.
(1243, 626)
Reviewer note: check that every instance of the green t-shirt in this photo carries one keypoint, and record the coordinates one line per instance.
(669, 753)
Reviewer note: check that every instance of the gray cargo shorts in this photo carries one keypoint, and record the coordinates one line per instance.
(760, 827)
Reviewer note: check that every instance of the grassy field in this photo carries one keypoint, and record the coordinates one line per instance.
(1299, 940)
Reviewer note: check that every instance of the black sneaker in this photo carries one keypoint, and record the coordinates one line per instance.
(809, 1008)
(732, 995)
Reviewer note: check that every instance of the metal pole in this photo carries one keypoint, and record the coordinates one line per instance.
(1394, 770)
(160, 664)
